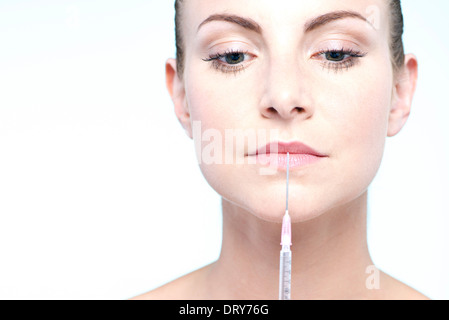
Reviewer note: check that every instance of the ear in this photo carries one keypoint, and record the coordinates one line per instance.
(403, 91)
(177, 92)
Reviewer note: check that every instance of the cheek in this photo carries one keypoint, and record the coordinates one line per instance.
(214, 109)
(217, 105)
(223, 111)
(359, 119)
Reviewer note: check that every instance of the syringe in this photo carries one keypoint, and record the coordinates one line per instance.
(285, 271)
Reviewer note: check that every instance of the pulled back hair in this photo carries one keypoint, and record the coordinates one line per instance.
(396, 32)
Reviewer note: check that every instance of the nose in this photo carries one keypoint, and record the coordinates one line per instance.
(285, 91)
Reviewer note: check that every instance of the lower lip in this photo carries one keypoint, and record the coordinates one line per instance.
(280, 160)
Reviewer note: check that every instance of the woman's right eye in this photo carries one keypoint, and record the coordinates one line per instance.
(235, 58)
(230, 61)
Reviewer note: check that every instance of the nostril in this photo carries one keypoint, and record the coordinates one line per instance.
(272, 110)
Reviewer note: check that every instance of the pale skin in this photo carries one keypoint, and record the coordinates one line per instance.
(346, 114)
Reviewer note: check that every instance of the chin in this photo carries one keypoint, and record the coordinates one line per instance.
(271, 208)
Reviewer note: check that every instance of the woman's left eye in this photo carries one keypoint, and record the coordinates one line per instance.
(339, 59)
(335, 56)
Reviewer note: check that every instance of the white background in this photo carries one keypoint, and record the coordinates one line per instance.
(93, 162)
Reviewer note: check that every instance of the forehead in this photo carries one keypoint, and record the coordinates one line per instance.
(280, 16)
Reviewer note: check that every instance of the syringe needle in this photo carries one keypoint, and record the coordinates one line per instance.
(288, 169)
(286, 254)
(286, 223)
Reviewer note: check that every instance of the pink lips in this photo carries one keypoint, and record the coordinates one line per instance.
(275, 154)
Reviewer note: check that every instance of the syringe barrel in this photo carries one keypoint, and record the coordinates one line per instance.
(285, 274)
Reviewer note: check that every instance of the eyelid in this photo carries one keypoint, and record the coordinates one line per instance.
(226, 40)
(220, 55)
(347, 51)
(232, 45)
(334, 44)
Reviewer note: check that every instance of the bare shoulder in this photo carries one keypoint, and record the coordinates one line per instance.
(394, 289)
(185, 287)
(169, 291)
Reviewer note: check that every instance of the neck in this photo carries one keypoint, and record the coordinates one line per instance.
(329, 255)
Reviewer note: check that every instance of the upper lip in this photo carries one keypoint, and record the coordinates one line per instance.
(294, 147)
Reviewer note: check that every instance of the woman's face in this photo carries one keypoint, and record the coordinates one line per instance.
(329, 87)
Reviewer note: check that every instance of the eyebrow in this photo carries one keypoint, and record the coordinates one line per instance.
(243, 22)
(332, 16)
(312, 24)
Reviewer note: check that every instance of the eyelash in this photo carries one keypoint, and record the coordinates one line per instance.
(339, 65)
(221, 66)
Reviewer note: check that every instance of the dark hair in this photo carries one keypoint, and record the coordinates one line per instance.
(396, 32)
(179, 39)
